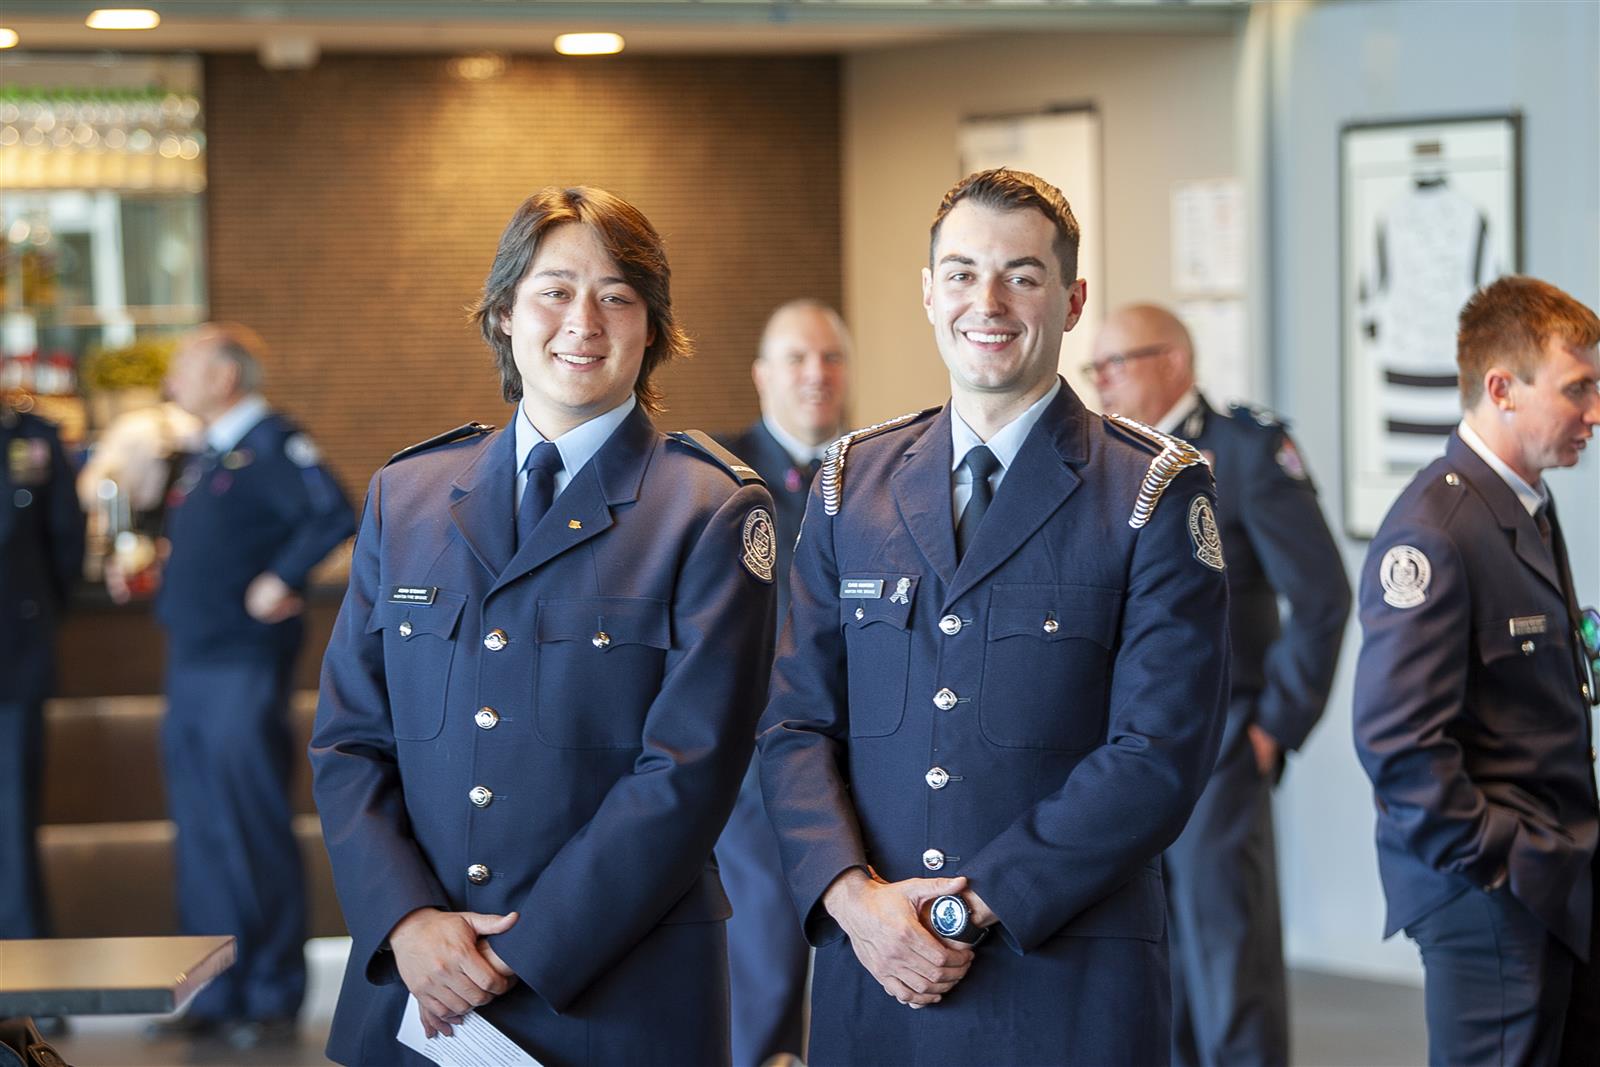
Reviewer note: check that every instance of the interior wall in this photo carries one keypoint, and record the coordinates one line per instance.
(1166, 104)
(1335, 63)
(354, 210)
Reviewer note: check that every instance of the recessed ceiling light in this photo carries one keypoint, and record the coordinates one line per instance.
(589, 44)
(8, 38)
(123, 18)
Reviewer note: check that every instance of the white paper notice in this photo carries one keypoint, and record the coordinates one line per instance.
(1208, 253)
(476, 1042)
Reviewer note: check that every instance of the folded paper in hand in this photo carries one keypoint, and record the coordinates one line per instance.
(476, 1042)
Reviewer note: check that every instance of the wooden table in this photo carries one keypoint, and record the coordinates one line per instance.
(108, 975)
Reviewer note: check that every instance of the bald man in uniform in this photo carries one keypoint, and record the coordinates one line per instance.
(799, 372)
(1229, 1001)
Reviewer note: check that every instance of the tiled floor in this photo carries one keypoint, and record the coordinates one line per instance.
(1338, 1022)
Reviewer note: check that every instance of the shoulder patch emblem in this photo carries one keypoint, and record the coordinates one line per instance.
(760, 544)
(1404, 575)
(301, 450)
(1204, 534)
(1288, 457)
(1174, 456)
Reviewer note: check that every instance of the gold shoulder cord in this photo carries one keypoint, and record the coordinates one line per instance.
(1174, 457)
(832, 472)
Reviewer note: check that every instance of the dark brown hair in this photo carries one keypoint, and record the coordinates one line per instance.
(1509, 322)
(1003, 189)
(629, 240)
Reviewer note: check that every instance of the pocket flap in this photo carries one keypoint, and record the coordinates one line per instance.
(1495, 640)
(437, 619)
(893, 606)
(624, 620)
(1055, 613)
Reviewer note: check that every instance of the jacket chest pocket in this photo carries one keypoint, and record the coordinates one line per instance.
(1534, 660)
(877, 633)
(1047, 665)
(600, 665)
(418, 647)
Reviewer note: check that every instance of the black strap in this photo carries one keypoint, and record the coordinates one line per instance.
(702, 442)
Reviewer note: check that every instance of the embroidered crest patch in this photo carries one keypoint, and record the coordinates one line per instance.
(1204, 533)
(301, 451)
(1404, 575)
(1289, 461)
(760, 544)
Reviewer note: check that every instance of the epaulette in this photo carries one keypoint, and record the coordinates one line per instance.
(1264, 417)
(703, 443)
(460, 433)
(1173, 456)
(833, 459)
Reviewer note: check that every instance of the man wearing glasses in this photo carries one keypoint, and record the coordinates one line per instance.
(1473, 697)
(1229, 999)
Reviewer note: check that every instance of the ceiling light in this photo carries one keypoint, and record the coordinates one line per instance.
(123, 18)
(8, 38)
(589, 44)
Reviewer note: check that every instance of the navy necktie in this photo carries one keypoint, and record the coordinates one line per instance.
(981, 463)
(542, 464)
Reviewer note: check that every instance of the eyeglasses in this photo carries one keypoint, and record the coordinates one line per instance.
(1117, 360)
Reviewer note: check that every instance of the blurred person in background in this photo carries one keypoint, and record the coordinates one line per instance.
(800, 372)
(1474, 695)
(1230, 1003)
(249, 517)
(41, 557)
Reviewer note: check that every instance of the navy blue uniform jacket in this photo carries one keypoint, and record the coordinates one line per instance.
(1475, 735)
(41, 553)
(1278, 544)
(1088, 661)
(268, 504)
(757, 447)
(611, 725)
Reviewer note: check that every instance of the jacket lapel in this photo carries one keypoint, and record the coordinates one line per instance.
(1508, 510)
(482, 503)
(583, 510)
(1038, 483)
(921, 488)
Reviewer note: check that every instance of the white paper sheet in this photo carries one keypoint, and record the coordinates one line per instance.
(476, 1042)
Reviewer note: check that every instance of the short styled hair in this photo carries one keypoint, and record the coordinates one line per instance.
(628, 239)
(1509, 322)
(1003, 189)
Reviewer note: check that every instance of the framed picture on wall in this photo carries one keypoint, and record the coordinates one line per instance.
(1430, 210)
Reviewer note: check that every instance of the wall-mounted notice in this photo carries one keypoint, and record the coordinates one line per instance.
(1062, 146)
(1208, 238)
(1221, 339)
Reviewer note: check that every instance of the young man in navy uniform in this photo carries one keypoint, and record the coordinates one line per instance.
(800, 374)
(1229, 997)
(248, 518)
(41, 557)
(1473, 697)
(541, 692)
(1001, 687)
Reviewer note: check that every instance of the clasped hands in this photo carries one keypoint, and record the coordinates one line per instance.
(884, 921)
(447, 965)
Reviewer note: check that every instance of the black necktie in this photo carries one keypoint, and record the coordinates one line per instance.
(1541, 519)
(980, 463)
(542, 464)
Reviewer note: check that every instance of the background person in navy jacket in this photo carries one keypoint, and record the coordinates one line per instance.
(41, 557)
(1229, 997)
(248, 518)
(541, 691)
(801, 374)
(1003, 677)
(1473, 701)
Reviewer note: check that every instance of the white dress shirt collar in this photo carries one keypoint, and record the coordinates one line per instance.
(229, 428)
(1006, 442)
(800, 453)
(1174, 419)
(1530, 497)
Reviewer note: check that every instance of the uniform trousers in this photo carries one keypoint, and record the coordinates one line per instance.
(767, 952)
(1580, 1037)
(1495, 982)
(1229, 993)
(22, 910)
(228, 752)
